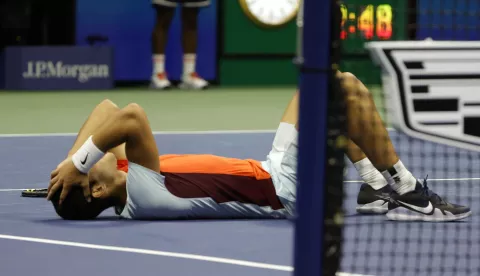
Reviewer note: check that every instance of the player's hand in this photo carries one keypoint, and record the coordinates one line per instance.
(68, 159)
(66, 176)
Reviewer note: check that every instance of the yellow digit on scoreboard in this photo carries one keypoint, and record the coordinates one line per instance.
(384, 21)
(344, 10)
(365, 22)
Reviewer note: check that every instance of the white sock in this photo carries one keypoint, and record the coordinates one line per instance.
(189, 61)
(370, 174)
(400, 179)
(158, 63)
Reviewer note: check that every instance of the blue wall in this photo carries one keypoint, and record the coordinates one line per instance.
(129, 24)
(456, 17)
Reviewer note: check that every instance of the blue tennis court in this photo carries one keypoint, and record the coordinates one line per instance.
(34, 240)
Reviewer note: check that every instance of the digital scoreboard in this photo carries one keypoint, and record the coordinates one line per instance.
(372, 20)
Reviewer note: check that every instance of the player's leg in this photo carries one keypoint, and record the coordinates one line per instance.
(375, 184)
(412, 200)
(190, 78)
(164, 12)
(365, 168)
(375, 192)
(290, 116)
(366, 129)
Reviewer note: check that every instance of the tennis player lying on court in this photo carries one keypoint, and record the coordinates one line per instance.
(96, 174)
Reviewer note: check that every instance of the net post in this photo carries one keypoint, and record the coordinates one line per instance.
(318, 224)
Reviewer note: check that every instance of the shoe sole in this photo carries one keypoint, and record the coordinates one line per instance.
(376, 207)
(403, 214)
(190, 87)
(152, 86)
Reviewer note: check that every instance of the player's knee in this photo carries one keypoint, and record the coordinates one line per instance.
(348, 80)
(353, 88)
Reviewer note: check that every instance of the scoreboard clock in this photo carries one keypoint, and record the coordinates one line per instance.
(372, 20)
(362, 20)
(268, 13)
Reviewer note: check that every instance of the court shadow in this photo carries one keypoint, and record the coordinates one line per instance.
(357, 219)
(276, 223)
(357, 215)
(213, 220)
(360, 223)
(100, 222)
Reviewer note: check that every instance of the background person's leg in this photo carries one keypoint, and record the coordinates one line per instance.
(190, 32)
(163, 19)
(190, 78)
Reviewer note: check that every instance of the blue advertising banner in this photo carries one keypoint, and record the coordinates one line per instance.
(128, 25)
(50, 68)
(448, 19)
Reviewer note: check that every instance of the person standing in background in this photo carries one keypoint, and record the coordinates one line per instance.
(165, 11)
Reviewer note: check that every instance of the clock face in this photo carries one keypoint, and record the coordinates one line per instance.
(270, 12)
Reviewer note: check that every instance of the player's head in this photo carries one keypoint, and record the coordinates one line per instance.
(76, 207)
(106, 184)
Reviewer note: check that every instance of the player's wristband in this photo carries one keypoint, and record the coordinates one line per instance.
(87, 156)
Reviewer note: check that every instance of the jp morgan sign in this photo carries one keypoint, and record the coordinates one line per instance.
(40, 68)
(44, 69)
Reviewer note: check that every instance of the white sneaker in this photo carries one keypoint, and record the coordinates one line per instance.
(193, 81)
(160, 81)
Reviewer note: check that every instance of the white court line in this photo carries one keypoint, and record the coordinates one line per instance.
(162, 253)
(182, 132)
(346, 181)
(151, 252)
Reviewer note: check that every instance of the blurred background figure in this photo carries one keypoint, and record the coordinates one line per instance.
(165, 11)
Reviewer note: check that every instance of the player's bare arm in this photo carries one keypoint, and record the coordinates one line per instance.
(128, 125)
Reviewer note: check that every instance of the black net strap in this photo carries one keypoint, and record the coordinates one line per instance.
(335, 162)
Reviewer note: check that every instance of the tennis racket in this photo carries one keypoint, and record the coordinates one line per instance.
(34, 193)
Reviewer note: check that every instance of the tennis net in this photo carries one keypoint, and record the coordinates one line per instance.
(429, 102)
